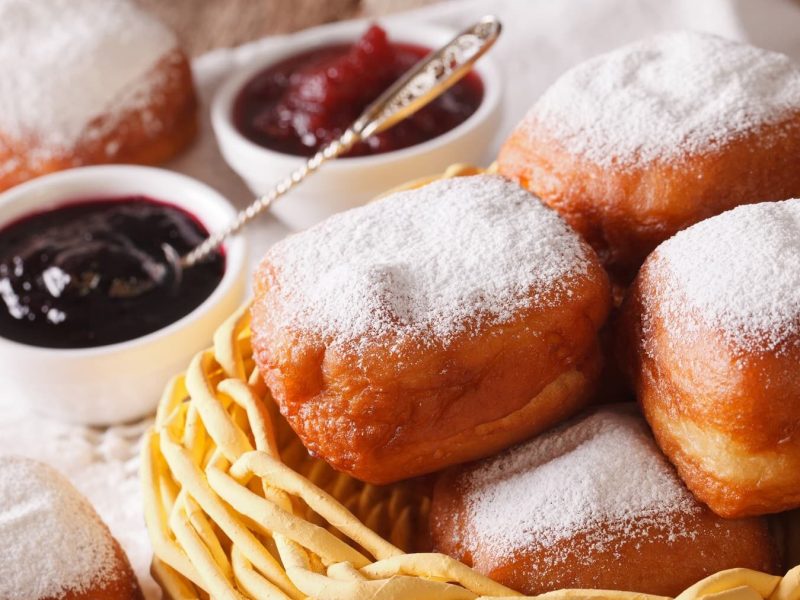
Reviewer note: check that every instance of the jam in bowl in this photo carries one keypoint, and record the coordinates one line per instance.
(75, 344)
(288, 98)
(307, 100)
(93, 272)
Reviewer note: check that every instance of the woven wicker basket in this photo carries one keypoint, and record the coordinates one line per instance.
(236, 508)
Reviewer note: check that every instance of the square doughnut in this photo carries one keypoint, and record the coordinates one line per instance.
(591, 504)
(54, 544)
(94, 82)
(636, 144)
(434, 326)
(710, 335)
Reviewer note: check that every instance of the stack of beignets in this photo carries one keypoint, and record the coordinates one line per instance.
(432, 327)
(637, 144)
(444, 324)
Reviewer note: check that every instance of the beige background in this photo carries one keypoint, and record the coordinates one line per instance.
(206, 24)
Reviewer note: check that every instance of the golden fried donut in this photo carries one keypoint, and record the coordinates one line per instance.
(591, 504)
(93, 82)
(434, 326)
(52, 542)
(634, 145)
(710, 335)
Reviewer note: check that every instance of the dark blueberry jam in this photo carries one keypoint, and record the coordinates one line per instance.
(304, 102)
(91, 272)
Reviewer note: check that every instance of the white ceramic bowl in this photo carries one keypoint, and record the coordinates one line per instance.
(350, 182)
(124, 381)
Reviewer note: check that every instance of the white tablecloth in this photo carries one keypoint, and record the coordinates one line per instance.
(541, 39)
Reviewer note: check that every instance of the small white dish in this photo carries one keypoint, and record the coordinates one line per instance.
(350, 182)
(124, 381)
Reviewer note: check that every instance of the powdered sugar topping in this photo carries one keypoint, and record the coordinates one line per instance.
(676, 94)
(602, 472)
(430, 261)
(52, 541)
(738, 273)
(66, 62)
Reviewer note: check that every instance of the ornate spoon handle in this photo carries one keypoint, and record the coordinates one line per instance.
(424, 82)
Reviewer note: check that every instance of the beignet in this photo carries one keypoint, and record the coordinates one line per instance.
(636, 144)
(434, 326)
(710, 336)
(591, 504)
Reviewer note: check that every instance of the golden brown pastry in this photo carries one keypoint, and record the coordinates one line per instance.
(637, 144)
(52, 542)
(710, 334)
(590, 504)
(93, 82)
(435, 326)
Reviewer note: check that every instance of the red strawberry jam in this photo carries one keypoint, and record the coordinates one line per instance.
(301, 103)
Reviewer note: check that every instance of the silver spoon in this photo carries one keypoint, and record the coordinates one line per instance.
(424, 82)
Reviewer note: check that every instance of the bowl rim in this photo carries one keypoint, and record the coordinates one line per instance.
(225, 96)
(235, 248)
